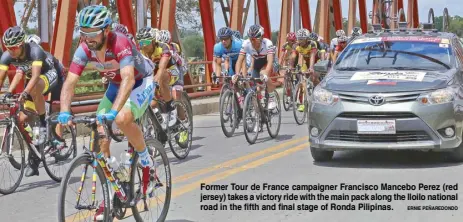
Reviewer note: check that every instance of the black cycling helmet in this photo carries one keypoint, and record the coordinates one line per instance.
(313, 36)
(237, 34)
(145, 33)
(14, 36)
(224, 32)
(356, 31)
(255, 31)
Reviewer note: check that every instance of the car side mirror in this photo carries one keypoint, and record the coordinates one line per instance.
(321, 66)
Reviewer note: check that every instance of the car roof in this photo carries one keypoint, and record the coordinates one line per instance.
(408, 33)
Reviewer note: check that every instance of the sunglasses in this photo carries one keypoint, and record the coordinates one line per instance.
(91, 34)
(14, 48)
(144, 42)
(255, 39)
(224, 39)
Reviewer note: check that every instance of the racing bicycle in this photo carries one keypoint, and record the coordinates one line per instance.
(53, 155)
(141, 196)
(256, 112)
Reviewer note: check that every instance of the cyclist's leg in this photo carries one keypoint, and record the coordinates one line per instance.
(177, 89)
(134, 108)
(105, 106)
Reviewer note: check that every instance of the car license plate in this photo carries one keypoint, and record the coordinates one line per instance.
(376, 127)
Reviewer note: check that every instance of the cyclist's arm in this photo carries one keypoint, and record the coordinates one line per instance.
(67, 92)
(239, 63)
(17, 78)
(227, 64)
(280, 61)
(4, 66)
(218, 66)
(79, 61)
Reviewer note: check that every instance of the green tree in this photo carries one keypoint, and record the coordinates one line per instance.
(194, 46)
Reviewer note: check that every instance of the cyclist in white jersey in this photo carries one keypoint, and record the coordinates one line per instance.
(262, 51)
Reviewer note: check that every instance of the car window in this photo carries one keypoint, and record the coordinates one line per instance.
(397, 52)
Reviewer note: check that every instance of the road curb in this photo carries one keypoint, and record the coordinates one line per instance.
(200, 107)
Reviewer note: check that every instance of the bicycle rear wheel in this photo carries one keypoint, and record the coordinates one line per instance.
(182, 133)
(299, 99)
(93, 206)
(17, 164)
(156, 150)
(251, 123)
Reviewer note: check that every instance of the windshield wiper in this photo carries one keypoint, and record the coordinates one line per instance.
(348, 69)
(408, 68)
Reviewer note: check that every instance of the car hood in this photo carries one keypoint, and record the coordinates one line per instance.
(386, 80)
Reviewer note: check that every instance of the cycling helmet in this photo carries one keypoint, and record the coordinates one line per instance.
(340, 32)
(14, 36)
(224, 32)
(303, 34)
(95, 16)
(120, 28)
(256, 31)
(342, 38)
(237, 34)
(313, 36)
(33, 38)
(163, 36)
(356, 31)
(145, 33)
(291, 36)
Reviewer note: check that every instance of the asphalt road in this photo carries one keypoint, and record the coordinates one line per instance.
(286, 160)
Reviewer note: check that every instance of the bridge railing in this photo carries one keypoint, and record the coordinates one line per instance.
(88, 101)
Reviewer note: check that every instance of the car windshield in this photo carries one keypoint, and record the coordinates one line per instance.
(394, 53)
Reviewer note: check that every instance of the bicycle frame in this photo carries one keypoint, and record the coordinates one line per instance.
(98, 159)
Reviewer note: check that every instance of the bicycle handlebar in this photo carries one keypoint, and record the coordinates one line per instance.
(92, 120)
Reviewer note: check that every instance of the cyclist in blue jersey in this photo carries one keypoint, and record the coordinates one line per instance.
(228, 48)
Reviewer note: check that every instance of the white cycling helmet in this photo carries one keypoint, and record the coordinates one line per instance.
(33, 38)
(163, 36)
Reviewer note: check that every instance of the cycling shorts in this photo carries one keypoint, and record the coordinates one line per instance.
(260, 64)
(53, 81)
(138, 101)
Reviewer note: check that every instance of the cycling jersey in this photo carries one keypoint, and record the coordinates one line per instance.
(288, 47)
(51, 71)
(260, 56)
(305, 51)
(339, 48)
(231, 54)
(120, 52)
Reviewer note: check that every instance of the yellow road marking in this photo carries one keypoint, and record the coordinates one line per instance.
(187, 188)
(237, 160)
(220, 176)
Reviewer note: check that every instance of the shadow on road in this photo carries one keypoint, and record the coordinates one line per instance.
(181, 220)
(279, 138)
(196, 138)
(176, 161)
(389, 159)
(49, 184)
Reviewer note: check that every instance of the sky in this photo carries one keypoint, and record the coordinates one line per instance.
(454, 7)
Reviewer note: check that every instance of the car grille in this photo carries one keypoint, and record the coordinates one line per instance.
(377, 115)
(389, 98)
(400, 136)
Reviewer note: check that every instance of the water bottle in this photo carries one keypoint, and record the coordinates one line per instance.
(36, 133)
(124, 168)
(158, 115)
(113, 164)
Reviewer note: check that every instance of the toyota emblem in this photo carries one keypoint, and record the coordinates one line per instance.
(377, 100)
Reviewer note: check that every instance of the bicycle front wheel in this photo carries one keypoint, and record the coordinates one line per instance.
(251, 118)
(274, 118)
(13, 154)
(180, 136)
(287, 94)
(228, 113)
(80, 180)
(156, 198)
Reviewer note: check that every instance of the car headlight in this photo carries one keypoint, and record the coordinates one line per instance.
(437, 97)
(324, 97)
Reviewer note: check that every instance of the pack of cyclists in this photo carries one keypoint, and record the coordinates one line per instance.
(131, 66)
